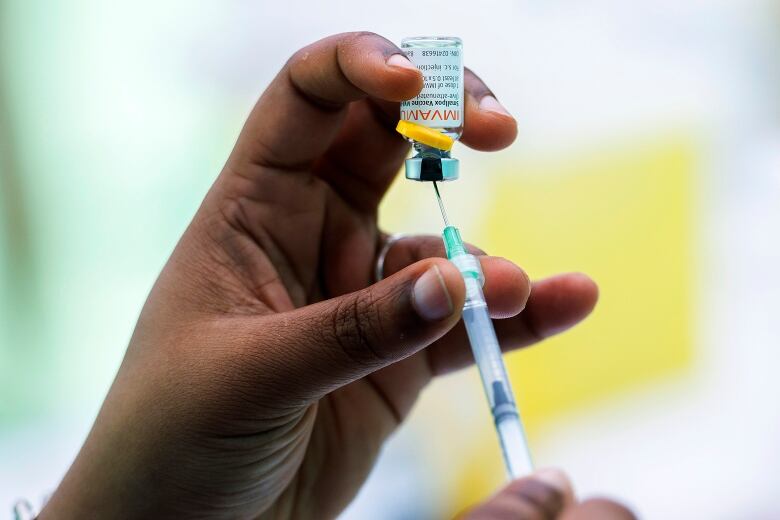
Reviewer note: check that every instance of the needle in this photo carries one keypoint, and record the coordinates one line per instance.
(441, 205)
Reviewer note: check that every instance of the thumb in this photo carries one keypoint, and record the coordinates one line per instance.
(544, 494)
(313, 350)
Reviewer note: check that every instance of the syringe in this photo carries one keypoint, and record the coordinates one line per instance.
(487, 354)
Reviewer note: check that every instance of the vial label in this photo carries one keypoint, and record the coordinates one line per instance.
(440, 103)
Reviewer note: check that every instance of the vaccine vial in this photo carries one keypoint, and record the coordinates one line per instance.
(440, 102)
(438, 106)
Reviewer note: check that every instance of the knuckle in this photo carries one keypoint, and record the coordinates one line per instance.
(356, 327)
(231, 209)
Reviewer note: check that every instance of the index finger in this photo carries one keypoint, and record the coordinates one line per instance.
(299, 115)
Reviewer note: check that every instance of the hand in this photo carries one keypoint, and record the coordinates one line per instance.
(266, 371)
(547, 494)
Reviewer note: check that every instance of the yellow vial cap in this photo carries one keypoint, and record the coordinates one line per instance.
(422, 134)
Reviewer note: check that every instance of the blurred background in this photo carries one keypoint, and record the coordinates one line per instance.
(648, 157)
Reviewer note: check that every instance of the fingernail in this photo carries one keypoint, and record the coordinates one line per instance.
(553, 477)
(399, 60)
(430, 296)
(491, 104)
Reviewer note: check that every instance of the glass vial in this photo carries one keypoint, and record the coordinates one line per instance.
(440, 103)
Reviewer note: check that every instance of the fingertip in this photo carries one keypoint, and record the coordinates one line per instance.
(386, 72)
(544, 494)
(560, 302)
(398, 63)
(598, 508)
(487, 129)
(490, 105)
(431, 297)
(401, 61)
(437, 291)
(557, 479)
(474, 250)
(507, 287)
(583, 290)
(404, 80)
(489, 125)
(453, 280)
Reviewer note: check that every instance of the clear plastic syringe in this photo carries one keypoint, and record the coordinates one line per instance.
(487, 354)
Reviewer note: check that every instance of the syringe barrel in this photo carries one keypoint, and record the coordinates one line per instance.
(484, 344)
(487, 354)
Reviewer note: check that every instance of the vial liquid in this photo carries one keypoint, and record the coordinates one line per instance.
(440, 103)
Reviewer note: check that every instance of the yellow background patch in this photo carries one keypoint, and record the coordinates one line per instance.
(623, 216)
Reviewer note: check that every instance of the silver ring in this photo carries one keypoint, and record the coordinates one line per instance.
(379, 268)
